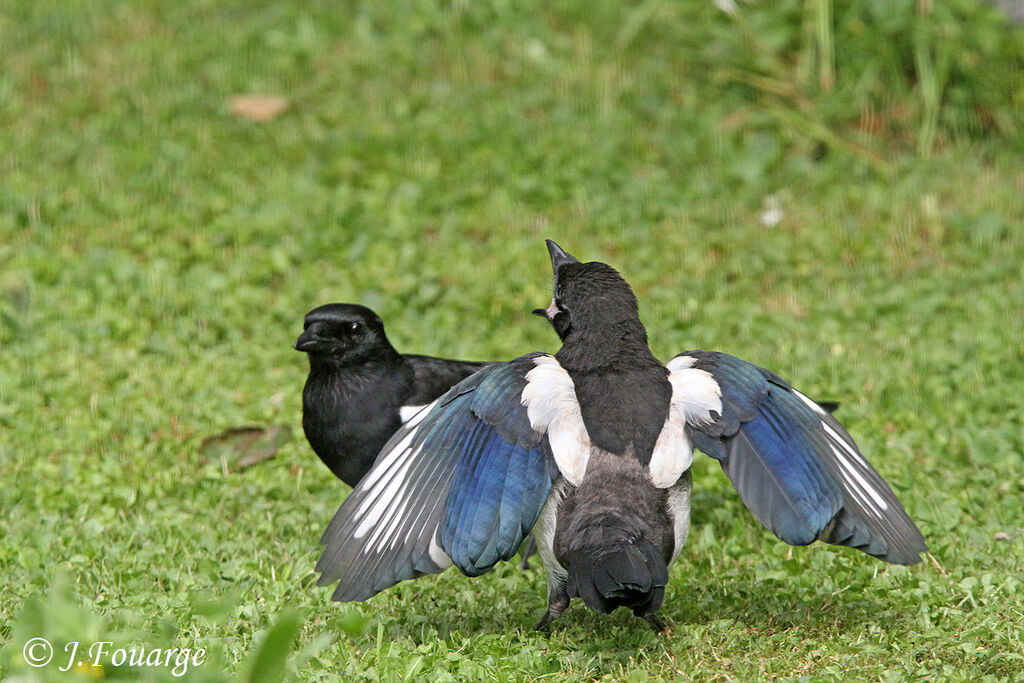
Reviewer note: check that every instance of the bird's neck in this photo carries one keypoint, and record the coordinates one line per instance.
(611, 345)
(340, 381)
(383, 357)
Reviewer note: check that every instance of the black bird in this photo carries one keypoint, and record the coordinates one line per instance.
(360, 390)
(593, 446)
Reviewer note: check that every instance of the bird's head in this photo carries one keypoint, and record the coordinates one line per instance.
(590, 298)
(343, 334)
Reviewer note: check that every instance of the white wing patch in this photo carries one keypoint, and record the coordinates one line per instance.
(695, 394)
(385, 460)
(551, 405)
(849, 458)
(406, 413)
(386, 488)
(810, 403)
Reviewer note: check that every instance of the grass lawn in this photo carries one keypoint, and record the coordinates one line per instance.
(159, 247)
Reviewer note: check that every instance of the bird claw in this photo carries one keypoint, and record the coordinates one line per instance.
(657, 624)
(558, 601)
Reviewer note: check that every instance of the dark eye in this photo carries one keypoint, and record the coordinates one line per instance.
(355, 327)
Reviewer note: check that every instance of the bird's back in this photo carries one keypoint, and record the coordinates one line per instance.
(624, 408)
(615, 531)
(434, 376)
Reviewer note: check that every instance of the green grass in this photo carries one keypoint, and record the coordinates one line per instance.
(157, 254)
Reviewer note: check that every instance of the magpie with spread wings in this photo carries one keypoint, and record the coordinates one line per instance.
(590, 448)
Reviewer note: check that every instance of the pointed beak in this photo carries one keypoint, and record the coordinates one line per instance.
(559, 256)
(306, 342)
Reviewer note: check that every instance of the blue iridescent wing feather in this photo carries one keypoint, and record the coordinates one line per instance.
(796, 468)
(462, 483)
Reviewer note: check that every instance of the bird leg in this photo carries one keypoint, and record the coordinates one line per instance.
(530, 549)
(657, 624)
(558, 600)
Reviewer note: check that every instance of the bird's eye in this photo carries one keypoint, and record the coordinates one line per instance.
(353, 327)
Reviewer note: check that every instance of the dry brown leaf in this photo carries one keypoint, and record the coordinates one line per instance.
(258, 108)
(239, 448)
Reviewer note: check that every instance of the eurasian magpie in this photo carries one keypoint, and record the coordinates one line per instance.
(360, 390)
(591, 449)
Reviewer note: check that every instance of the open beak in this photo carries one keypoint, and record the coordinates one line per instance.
(559, 257)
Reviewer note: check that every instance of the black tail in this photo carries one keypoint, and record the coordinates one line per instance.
(611, 568)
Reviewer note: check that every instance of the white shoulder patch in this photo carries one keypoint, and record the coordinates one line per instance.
(673, 452)
(694, 392)
(550, 401)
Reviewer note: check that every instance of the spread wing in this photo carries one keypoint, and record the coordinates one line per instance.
(462, 482)
(793, 464)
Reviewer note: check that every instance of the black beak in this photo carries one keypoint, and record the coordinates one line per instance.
(559, 256)
(306, 342)
(541, 312)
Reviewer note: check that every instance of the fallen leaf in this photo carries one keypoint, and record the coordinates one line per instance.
(239, 448)
(258, 108)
